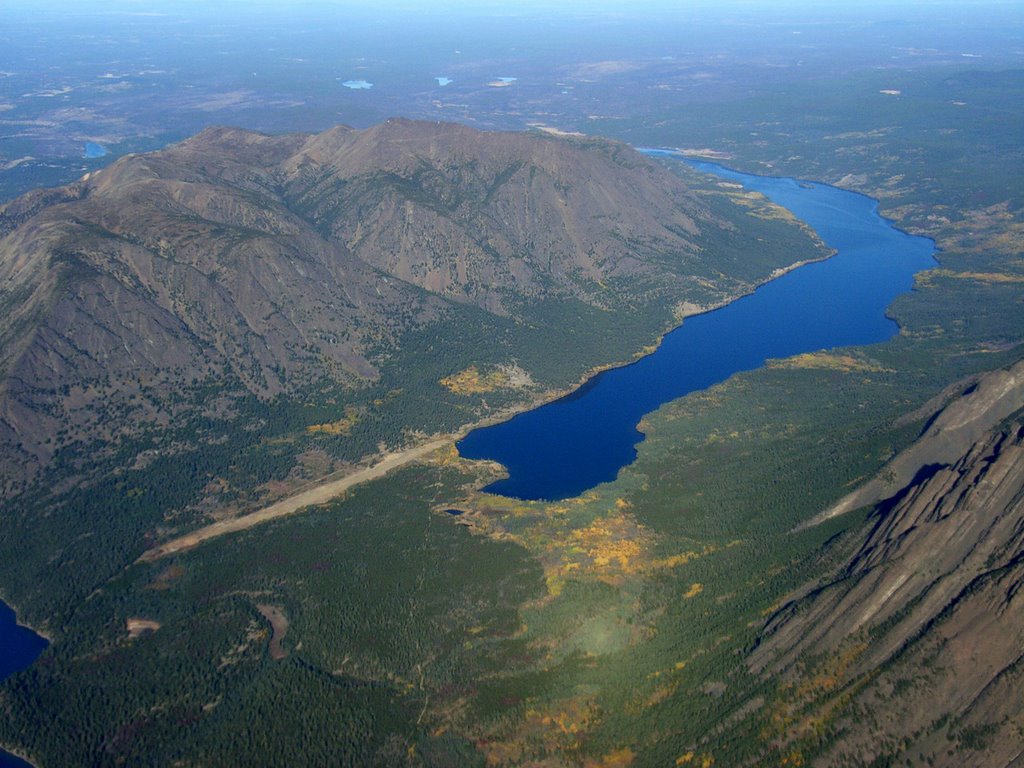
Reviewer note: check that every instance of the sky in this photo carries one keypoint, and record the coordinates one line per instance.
(759, 7)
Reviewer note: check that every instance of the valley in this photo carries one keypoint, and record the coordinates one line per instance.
(811, 562)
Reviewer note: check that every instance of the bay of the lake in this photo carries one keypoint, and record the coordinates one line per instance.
(19, 647)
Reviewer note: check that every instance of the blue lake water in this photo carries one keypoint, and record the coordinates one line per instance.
(7, 760)
(93, 150)
(19, 647)
(567, 446)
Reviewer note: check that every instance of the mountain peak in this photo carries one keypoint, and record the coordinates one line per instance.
(278, 260)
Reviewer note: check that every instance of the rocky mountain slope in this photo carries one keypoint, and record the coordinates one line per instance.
(284, 261)
(914, 648)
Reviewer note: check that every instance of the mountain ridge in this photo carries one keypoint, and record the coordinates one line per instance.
(281, 261)
(913, 642)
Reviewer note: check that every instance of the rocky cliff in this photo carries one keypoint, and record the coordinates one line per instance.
(914, 649)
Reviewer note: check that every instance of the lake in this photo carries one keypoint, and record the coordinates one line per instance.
(19, 647)
(7, 760)
(572, 444)
(93, 150)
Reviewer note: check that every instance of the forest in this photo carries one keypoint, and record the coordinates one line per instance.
(609, 629)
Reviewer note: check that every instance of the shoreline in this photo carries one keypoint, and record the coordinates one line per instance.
(330, 487)
(17, 754)
(686, 310)
(897, 222)
(20, 621)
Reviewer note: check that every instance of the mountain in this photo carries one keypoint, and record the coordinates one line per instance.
(280, 262)
(194, 334)
(911, 649)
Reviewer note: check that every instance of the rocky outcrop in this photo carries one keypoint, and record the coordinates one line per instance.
(927, 613)
(488, 217)
(955, 424)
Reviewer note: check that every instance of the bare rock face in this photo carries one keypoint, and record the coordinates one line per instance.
(927, 616)
(952, 429)
(488, 217)
(282, 261)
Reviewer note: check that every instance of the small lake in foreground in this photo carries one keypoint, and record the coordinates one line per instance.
(568, 446)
